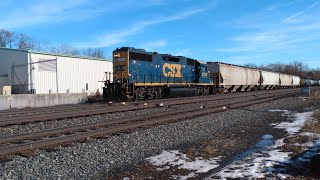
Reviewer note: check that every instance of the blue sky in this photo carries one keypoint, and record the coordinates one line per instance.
(232, 31)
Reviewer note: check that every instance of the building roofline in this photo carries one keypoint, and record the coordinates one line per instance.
(56, 54)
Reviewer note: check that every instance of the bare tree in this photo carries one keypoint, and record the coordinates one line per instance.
(276, 67)
(94, 52)
(6, 38)
(250, 65)
(41, 46)
(65, 49)
(3, 38)
(24, 42)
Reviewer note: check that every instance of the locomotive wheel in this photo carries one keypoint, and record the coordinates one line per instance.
(155, 96)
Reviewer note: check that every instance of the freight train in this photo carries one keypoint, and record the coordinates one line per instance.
(138, 75)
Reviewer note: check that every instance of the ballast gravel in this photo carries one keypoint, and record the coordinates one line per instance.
(93, 159)
(40, 126)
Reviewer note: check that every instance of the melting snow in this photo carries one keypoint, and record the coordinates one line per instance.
(278, 110)
(181, 161)
(296, 122)
(285, 112)
(265, 160)
(259, 163)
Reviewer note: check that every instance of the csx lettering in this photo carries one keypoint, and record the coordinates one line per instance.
(120, 59)
(172, 70)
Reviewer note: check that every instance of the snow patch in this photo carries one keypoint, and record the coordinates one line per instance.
(266, 141)
(259, 163)
(285, 112)
(296, 122)
(278, 110)
(266, 160)
(176, 159)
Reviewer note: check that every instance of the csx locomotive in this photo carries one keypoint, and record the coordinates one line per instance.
(139, 74)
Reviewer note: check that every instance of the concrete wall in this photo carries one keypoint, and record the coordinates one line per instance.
(40, 100)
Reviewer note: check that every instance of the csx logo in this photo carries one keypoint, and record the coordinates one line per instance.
(172, 70)
(116, 55)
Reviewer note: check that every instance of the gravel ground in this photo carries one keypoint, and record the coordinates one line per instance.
(102, 157)
(38, 126)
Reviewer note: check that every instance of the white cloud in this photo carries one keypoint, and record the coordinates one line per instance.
(116, 37)
(242, 59)
(294, 18)
(182, 52)
(153, 45)
(233, 49)
(48, 12)
(274, 35)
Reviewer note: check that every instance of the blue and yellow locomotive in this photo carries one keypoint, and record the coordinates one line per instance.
(139, 75)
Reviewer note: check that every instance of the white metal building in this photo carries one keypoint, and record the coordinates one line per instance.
(42, 73)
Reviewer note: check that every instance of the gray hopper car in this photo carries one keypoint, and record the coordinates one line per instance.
(238, 78)
(309, 82)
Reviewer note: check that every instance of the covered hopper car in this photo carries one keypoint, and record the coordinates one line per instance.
(229, 78)
(309, 82)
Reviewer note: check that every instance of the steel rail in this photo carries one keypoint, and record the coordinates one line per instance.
(41, 110)
(19, 148)
(6, 121)
(51, 132)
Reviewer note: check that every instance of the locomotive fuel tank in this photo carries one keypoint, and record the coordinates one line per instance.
(179, 91)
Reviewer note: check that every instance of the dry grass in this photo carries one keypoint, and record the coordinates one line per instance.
(314, 99)
(297, 139)
(293, 144)
(314, 125)
(295, 150)
(316, 115)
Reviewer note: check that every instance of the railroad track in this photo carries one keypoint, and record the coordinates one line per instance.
(41, 115)
(20, 143)
(69, 108)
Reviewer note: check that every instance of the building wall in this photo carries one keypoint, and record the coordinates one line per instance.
(4, 81)
(40, 100)
(70, 74)
(10, 61)
(28, 72)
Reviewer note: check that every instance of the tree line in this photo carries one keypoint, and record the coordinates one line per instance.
(15, 40)
(297, 68)
(9, 39)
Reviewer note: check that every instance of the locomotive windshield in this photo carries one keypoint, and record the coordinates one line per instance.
(140, 57)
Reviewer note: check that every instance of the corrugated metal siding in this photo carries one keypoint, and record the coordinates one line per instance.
(73, 74)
